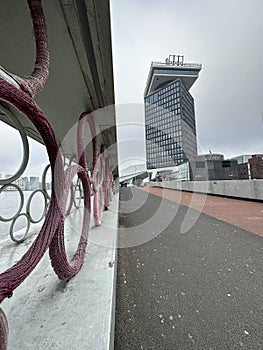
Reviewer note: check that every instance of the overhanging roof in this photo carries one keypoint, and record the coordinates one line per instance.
(162, 73)
(81, 73)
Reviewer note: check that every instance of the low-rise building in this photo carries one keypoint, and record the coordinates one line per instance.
(250, 166)
(214, 167)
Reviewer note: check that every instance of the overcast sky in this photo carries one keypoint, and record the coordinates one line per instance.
(12, 153)
(225, 36)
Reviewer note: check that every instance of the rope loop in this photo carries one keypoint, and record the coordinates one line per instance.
(36, 81)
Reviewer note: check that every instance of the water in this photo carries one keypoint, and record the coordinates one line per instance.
(9, 204)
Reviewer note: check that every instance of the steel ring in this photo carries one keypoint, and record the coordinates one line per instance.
(12, 228)
(78, 185)
(29, 203)
(21, 201)
(44, 175)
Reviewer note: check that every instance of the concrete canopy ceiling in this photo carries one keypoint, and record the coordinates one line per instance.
(81, 74)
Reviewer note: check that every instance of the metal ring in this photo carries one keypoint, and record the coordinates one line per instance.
(78, 185)
(22, 133)
(29, 203)
(12, 227)
(44, 175)
(21, 201)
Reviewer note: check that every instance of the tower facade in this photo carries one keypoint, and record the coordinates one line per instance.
(169, 113)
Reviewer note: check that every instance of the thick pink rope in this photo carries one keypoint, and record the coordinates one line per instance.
(51, 234)
(57, 252)
(11, 278)
(51, 231)
(101, 176)
(83, 120)
(33, 84)
(3, 331)
(97, 170)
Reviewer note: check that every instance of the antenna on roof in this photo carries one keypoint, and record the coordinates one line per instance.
(175, 60)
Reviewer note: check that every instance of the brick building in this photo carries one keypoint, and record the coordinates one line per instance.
(243, 171)
(256, 166)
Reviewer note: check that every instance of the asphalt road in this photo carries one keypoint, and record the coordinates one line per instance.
(201, 289)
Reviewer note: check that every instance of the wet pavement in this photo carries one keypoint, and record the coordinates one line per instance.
(185, 280)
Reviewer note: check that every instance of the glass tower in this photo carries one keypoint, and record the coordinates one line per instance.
(169, 113)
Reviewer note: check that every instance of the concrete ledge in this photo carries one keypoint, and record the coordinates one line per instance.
(245, 189)
(46, 313)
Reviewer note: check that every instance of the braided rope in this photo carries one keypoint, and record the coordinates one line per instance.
(98, 165)
(63, 268)
(83, 120)
(52, 232)
(55, 215)
(3, 331)
(33, 84)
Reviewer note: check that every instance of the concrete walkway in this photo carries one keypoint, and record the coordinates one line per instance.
(196, 284)
(46, 313)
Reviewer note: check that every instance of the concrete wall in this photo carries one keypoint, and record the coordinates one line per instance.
(249, 189)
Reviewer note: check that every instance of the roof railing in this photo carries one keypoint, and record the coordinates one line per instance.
(177, 64)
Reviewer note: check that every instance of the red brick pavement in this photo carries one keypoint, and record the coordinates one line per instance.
(244, 214)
